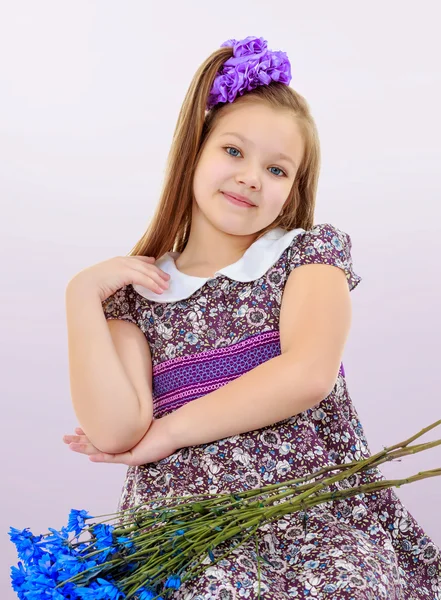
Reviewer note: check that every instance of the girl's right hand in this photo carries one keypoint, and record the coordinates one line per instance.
(112, 274)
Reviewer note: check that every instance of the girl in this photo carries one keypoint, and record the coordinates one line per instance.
(208, 361)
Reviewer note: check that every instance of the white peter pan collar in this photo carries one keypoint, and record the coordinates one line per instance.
(254, 263)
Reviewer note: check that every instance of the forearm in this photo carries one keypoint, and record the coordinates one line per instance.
(275, 390)
(104, 400)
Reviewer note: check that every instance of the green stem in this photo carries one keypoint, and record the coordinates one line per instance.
(242, 507)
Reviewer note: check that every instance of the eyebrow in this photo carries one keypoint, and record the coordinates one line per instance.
(245, 140)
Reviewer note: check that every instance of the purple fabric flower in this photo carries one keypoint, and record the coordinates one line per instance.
(251, 65)
(250, 45)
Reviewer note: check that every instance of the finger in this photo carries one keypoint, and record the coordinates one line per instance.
(156, 284)
(80, 431)
(152, 271)
(87, 449)
(146, 258)
(68, 437)
(158, 276)
(163, 274)
(149, 279)
(78, 439)
(103, 457)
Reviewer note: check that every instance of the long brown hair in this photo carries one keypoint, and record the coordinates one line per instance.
(170, 226)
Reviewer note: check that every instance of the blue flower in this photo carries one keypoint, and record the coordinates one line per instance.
(178, 532)
(100, 590)
(26, 543)
(18, 577)
(77, 520)
(41, 580)
(125, 541)
(58, 536)
(103, 535)
(67, 591)
(104, 540)
(173, 583)
(71, 564)
(58, 541)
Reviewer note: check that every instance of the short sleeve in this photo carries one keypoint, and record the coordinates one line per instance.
(123, 304)
(324, 244)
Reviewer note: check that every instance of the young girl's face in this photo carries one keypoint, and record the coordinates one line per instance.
(243, 156)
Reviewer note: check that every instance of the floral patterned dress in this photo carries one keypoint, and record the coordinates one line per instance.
(202, 334)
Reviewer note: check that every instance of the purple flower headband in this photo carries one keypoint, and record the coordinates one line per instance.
(251, 65)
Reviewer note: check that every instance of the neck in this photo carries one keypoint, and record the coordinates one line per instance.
(208, 250)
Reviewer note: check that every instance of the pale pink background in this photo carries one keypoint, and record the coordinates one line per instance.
(90, 93)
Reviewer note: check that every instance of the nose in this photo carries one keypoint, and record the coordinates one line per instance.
(249, 178)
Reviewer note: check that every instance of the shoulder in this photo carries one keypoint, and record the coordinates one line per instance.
(323, 236)
(123, 304)
(324, 244)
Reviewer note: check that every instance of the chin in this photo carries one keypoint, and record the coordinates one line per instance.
(237, 228)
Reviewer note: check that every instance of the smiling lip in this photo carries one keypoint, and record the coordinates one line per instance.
(239, 200)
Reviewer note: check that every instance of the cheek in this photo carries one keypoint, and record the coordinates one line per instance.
(211, 177)
(199, 181)
(275, 199)
(217, 173)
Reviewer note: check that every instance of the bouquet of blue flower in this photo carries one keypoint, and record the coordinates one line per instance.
(148, 552)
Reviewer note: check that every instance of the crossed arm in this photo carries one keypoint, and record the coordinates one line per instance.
(314, 325)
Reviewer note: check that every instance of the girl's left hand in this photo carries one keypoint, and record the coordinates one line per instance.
(154, 446)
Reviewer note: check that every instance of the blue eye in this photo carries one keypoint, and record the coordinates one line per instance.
(283, 172)
(231, 148)
(235, 155)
